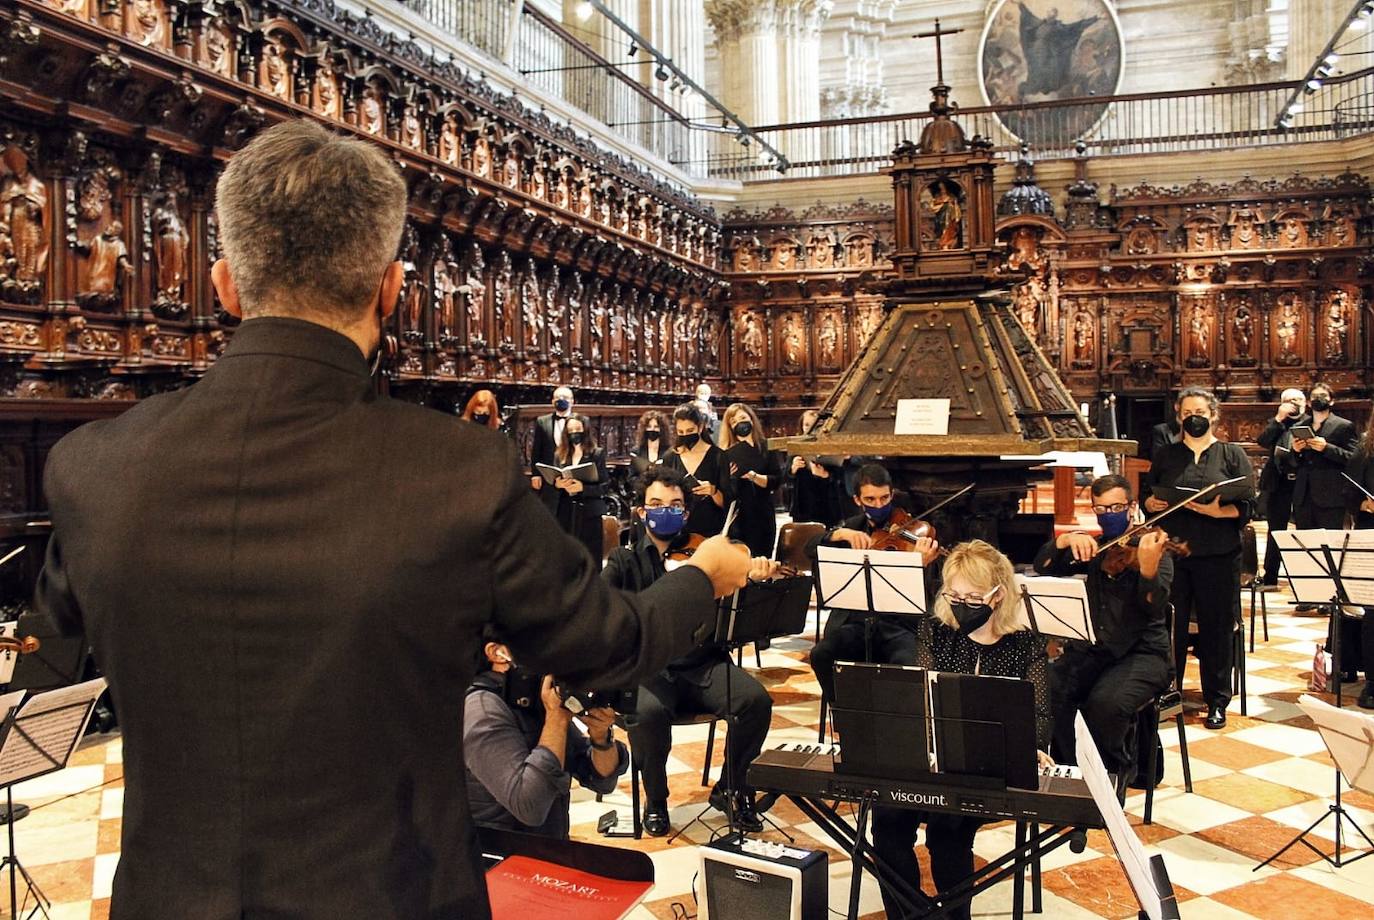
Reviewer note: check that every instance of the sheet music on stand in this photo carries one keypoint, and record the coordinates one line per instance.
(1055, 606)
(1305, 565)
(45, 730)
(1146, 874)
(878, 581)
(1349, 736)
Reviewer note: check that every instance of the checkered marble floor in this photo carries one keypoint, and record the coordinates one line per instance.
(1256, 784)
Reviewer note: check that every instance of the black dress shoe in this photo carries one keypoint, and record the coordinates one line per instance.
(1216, 717)
(746, 817)
(717, 799)
(656, 819)
(1366, 700)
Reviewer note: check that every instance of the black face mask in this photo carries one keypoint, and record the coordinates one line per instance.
(1321, 404)
(971, 617)
(480, 418)
(1195, 426)
(652, 435)
(743, 429)
(688, 441)
(577, 437)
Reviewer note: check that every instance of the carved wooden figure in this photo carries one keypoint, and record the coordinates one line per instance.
(23, 225)
(1337, 327)
(106, 269)
(171, 241)
(1288, 329)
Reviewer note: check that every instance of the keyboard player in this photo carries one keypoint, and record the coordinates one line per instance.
(973, 631)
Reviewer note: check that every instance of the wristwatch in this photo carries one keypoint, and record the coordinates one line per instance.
(610, 740)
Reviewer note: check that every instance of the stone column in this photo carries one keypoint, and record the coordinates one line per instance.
(799, 54)
(747, 41)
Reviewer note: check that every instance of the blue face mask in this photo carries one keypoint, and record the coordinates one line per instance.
(878, 516)
(562, 405)
(1114, 523)
(665, 522)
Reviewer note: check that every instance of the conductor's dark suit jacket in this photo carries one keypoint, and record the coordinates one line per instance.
(284, 578)
(544, 449)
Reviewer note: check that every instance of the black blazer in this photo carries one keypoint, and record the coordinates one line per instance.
(1319, 472)
(285, 578)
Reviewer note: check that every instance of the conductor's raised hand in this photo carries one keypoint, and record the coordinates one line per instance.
(726, 564)
(761, 568)
(1082, 545)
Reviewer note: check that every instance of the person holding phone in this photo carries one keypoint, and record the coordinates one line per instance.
(704, 470)
(1280, 473)
(1206, 581)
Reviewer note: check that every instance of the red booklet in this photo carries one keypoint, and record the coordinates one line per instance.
(518, 884)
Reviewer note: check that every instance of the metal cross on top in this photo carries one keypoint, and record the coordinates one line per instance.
(939, 52)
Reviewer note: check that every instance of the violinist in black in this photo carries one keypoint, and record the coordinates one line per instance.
(697, 681)
(1108, 682)
(893, 639)
(1207, 581)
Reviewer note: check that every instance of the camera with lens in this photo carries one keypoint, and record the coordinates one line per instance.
(579, 701)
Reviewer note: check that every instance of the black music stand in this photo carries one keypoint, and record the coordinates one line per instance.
(36, 739)
(1059, 607)
(757, 612)
(871, 581)
(1331, 578)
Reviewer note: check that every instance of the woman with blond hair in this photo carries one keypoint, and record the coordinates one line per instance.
(973, 630)
(483, 410)
(752, 470)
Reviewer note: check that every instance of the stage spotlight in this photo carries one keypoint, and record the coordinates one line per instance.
(634, 49)
(661, 72)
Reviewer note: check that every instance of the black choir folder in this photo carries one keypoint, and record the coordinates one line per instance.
(582, 472)
(904, 723)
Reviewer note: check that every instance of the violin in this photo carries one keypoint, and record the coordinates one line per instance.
(680, 554)
(902, 531)
(19, 646)
(1119, 557)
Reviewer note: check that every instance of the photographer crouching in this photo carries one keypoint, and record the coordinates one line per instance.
(523, 750)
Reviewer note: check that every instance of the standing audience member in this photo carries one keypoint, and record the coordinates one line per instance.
(1280, 474)
(709, 490)
(1207, 580)
(816, 483)
(754, 476)
(710, 429)
(653, 442)
(548, 434)
(1319, 493)
(483, 410)
(523, 750)
(1361, 469)
(973, 631)
(581, 504)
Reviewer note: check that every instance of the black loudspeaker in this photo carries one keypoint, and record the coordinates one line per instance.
(763, 881)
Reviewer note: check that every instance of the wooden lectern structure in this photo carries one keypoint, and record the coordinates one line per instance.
(950, 333)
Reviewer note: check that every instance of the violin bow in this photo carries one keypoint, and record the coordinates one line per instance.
(940, 504)
(730, 515)
(1150, 522)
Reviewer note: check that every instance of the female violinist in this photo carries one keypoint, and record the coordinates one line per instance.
(754, 476)
(580, 504)
(1207, 583)
(697, 457)
(893, 638)
(1108, 682)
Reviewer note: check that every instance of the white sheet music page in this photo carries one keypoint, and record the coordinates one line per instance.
(1130, 852)
(897, 579)
(1305, 565)
(1060, 607)
(46, 730)
(1349, 736)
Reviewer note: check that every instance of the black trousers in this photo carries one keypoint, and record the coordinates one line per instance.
(1280, 512)
(1207, 589)
(1108, 692)
(1307, 516)
(893, 643)
(667, 695)
(1357, 644)
(949, 839)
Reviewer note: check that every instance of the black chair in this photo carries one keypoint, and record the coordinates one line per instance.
(696, 718)
(1157, 709)
(1251, 581)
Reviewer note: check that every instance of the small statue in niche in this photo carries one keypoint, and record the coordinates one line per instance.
(474, 290)
(370, 115)
(539, 184)
(584, 199)
(1141, 241)
(23, 213)
(1246, 228)
(628, 322)
(617, 336)
(510, 170)
(553, 320)
(1293, 232)
(1337, 326)
(574, 312)
(74, 7)
(1025, 250)
(481, 157)
(603, 210)
(869, 317)
(751, 342)
(791, 343)
(108, 266)
(501, 290)
(561, 193)
(595, 327)
(1083, 339)
(665, 338)
(531, 308)
(1202, 236)
(217, 50)
(414, 297)
(449, 141)
(945, 211)
(858, 252)
(445, 294)
(679, 338)
(828, 337)
(784, 255)
(1243, 325)
(1026, 301)
(276, 70)
(412, 129)
(170, 242)
(1288, 327)
(326, 93)
(712, 340)
(821, 248)
(93, 195)
(145, 22)
(1342, 229)
(744, 255)
(1199, 333)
